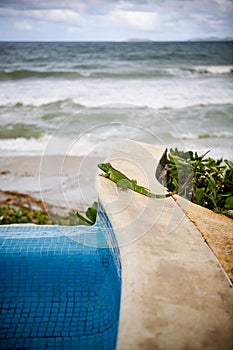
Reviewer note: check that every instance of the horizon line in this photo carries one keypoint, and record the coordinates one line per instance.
(121, 41)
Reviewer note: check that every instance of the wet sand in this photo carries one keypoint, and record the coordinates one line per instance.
(64, 181)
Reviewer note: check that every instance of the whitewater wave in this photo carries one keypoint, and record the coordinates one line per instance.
(74, 75)
(27, 74)
(140, 73)
(46, 102)
(204, 135)
(52, 106)
(12, 131)
(23, 146)
(93, 143)
(215, 70)
(52, 145)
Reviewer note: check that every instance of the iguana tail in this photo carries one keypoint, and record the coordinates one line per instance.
(158, 196)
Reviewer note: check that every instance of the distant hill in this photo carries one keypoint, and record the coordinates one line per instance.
(212, 38)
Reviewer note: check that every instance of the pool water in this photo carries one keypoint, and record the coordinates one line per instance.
(60, 286)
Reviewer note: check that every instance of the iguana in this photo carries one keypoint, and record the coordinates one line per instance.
(124, 182)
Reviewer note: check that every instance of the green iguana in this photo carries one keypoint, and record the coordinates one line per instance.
(124, 182)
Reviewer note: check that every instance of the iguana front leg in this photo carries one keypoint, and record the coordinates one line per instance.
(107, 175)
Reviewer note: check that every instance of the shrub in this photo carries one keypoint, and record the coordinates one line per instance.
(205, 181)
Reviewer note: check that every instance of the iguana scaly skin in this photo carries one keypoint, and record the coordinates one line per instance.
(124, 182)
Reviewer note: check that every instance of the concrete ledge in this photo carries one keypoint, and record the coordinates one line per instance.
(174, 293)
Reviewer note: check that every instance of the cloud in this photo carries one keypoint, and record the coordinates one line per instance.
(73, 29)
(55, 15)
(224, 5)
(23, 25)
(160, 19)
(145, 21)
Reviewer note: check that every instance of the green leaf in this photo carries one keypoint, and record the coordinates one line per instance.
(229, 203)
(229, 163)
(91, 212)
(200, 195)
(84, 221)
(212, 199)
(211, 181)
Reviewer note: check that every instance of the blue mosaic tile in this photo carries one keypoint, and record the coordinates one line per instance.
(60, 286)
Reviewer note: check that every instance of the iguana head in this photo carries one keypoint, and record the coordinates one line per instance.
(104, 166)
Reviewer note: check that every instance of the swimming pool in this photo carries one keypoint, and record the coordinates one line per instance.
(60, 286)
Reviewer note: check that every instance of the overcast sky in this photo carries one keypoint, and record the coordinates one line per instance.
(114, 20)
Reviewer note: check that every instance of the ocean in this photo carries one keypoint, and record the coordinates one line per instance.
(82, 98)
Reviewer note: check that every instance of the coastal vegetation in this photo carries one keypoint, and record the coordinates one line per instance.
(203, 180)
(21, 208)
(11, 215)
(198, 178)
(89, 218)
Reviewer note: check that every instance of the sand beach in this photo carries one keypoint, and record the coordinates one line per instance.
(66, 182)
